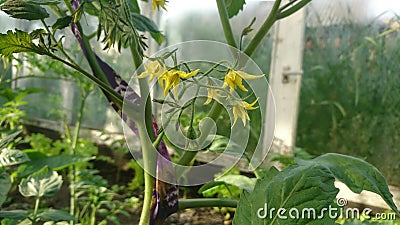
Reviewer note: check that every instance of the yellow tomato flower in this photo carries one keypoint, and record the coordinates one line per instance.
(239, 111)
(153, 69)
(234, 78)
(172, 78)
(211, 94)
(157, 3)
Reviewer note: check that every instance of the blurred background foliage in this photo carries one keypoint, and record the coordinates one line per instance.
(350, 93)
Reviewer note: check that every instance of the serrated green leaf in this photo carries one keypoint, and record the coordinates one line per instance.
(56, 162)
(299, 187)
(240, 181)
(14, 214)
(5, 185)
(357, 174)
(234, 6)
(12, 157)
(143, 23)
(44, 182)
(23, 10)
(16, 42)
(55, 215)
(35, 34)
(62, 23)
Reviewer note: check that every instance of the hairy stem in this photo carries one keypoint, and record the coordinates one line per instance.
(147, 136)
(266, 26)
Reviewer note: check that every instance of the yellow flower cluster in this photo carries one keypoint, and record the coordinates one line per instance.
(168, 79)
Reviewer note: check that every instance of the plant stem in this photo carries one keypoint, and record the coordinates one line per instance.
(206, 202)
(147, 136)
(285, 13)
(226, 26)
(149, 161)
(72, 169)
(266, 26)
(97, 81)
(35, 211)
(93, 215)
(214, 113)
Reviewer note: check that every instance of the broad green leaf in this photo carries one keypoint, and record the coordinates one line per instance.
(357, 174)
(23, 10)
(56, 162)
(10, 157)
(297, 187)
(44, 182)
(14, 214)
(5, 185)
(240, 181)
(62, 23)
(55, 215)
(16, 42)
(143, 23)
(234, 6)
(8, 139)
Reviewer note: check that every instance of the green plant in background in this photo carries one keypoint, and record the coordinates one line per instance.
(350, 86)
(305, 184)
(42, 183)
(96, 199)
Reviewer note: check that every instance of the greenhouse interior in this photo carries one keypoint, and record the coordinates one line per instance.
(190, 112)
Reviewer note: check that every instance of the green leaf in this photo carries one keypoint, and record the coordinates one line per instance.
(23, 10)
(56, 162)
(143, 23)
(16, 42)
(296, 187)
(222, 144)
(44, 182)
(240, 181)
(234, 6)
(158, 37)
(5, 185)
(12, 157)
(357, 174)
(8, 139)
(14, 214)
(43, 2)
(62, 23)
(134, 6)
(55, 215)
